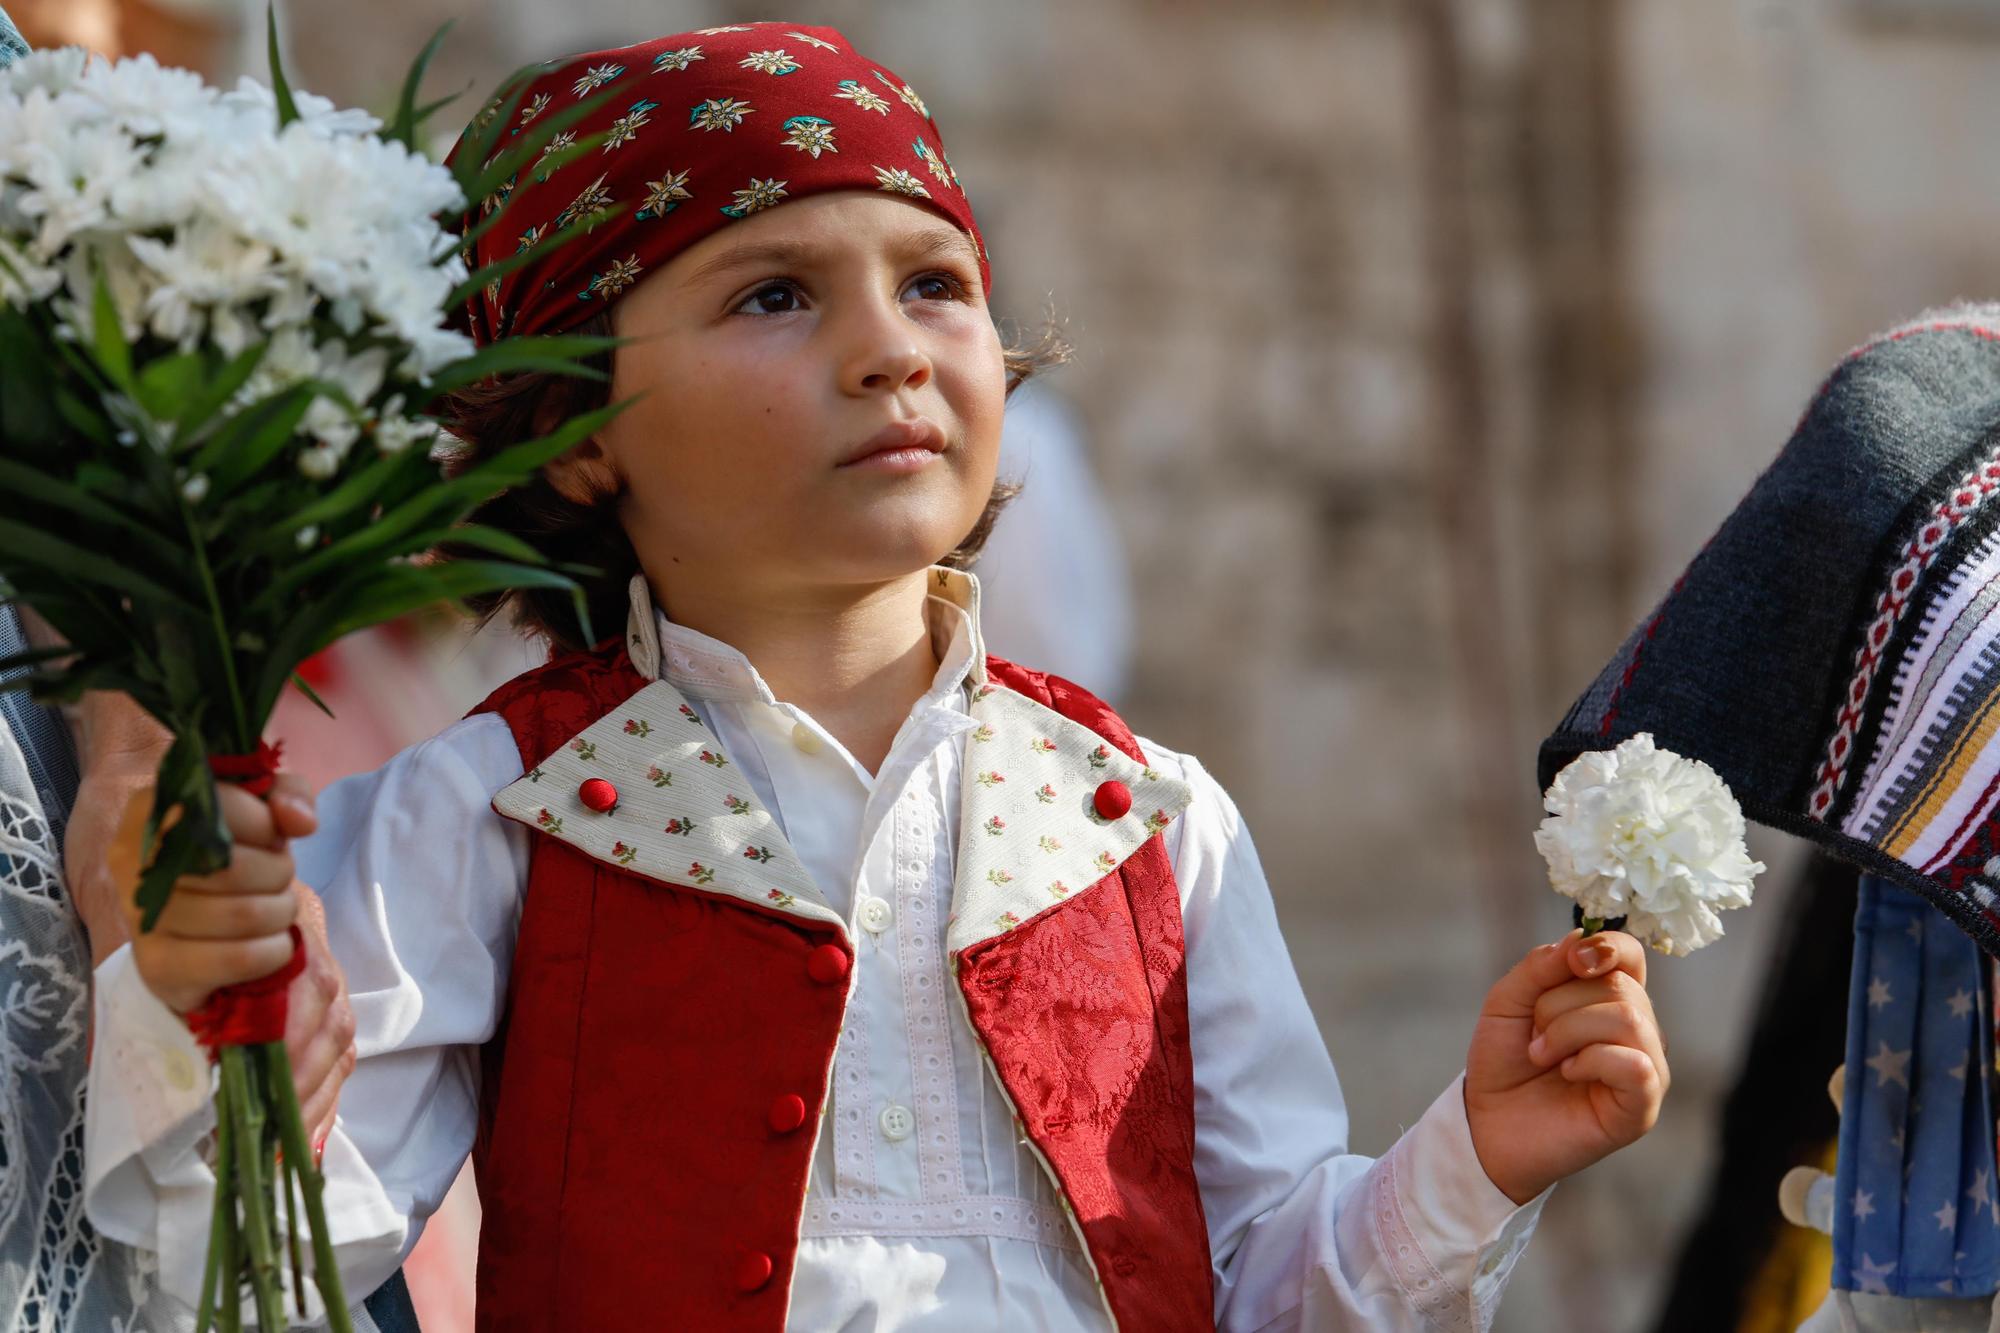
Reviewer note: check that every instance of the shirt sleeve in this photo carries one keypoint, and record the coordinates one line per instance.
(422, 884)
(1303, 1233)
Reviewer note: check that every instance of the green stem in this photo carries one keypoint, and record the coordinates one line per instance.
(244, 740)
(247, 1104)
(230, 1265)
(1591, 925)
(291, 1126)
(218, 1227)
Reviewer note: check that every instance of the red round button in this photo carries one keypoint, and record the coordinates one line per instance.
(598, 794)
(828, 964)
(1113, 799)
(753, 1270)
(787, 1113)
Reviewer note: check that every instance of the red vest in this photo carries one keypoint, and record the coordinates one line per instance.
(636, 1163)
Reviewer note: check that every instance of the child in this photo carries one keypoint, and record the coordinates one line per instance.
(786, 961)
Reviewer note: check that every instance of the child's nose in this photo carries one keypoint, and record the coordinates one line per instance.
(883, 356)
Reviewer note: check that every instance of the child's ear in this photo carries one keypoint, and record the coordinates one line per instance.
(585, 475)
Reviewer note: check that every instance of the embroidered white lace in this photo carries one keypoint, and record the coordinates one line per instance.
(56, 1274)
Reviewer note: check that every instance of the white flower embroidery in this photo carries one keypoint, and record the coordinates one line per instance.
(864, 97)
(676, 61)
(719, 113)
(596, 77)
(810, 134)
(898, 181)
(769, 62)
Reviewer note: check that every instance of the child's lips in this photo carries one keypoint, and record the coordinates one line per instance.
(901, 445)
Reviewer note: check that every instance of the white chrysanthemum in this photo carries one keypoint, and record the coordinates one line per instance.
(54, 70)
(1645, 834)
(212, 225)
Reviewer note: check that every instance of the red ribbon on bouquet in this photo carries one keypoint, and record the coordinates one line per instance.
(250, 1012)
(254, 772)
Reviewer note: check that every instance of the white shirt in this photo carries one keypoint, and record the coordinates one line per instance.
(923, 1210)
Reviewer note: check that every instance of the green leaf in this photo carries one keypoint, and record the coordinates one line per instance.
(480, 139)
(508, 263)
(356, 490)
(431, 109)
(493, 541)
(299, 683)
(381, 595)
(34, 484)
(197, 843)
(403, 127)
(167, 385)
(561, 354)
(254, 436)
(281, 88)
(82, 415)
(107, 337)
(23, 546)
(477, 181)
(31, 657)
(202, 408)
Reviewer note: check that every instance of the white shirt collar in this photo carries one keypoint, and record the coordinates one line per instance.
(705, 667)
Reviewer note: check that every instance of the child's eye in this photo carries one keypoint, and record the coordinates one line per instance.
(773, 298)
(935, 287)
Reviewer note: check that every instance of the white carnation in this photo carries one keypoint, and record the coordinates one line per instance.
(1645, 834)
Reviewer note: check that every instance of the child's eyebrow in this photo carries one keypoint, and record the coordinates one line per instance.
(918, 246)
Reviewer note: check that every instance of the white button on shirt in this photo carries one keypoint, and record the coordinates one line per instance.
(897, 1123)
(924, 1210)
(876, 915)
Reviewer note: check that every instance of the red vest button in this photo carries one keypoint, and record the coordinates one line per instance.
(1113, 799)
(828, 964)
(753, 1270)
(598, 794)
(787, 1113)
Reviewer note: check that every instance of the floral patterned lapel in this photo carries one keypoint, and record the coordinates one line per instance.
(678, 810)
(1031, 829)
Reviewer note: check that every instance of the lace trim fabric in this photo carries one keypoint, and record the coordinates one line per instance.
(1433, 1295)
(56, 1273)
(970, 1215)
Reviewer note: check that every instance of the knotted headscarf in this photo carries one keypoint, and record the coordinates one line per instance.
(703, 128)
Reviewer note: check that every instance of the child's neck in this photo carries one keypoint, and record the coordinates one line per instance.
(856, 658)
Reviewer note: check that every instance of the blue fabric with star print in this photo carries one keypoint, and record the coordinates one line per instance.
(1916, 1211)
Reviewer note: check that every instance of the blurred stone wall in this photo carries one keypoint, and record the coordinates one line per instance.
(1671, 224)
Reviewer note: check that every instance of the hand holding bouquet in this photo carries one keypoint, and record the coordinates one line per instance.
(224, 320)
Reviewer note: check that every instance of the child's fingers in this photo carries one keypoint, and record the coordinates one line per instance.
(248, 818)
(184, 973)
(227, 916)
(1546, 966)
(1598, 954)
(1615, 1022)
(1579, 994)
(319, 1108)
(1636, 1083)
(293, 810)
(325, 1059)
(251, 871)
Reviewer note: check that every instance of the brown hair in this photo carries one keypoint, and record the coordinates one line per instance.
(485, 418)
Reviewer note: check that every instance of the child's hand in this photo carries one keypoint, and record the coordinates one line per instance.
(226, 927)
(234, 926)
(1567, 1062)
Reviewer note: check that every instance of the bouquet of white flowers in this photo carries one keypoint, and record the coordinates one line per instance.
(223, 316)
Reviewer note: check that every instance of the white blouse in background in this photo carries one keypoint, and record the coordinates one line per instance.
(923, 1211)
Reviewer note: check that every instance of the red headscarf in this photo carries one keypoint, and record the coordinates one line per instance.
(705, 128)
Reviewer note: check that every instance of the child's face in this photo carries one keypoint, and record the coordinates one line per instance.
(775, 352)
